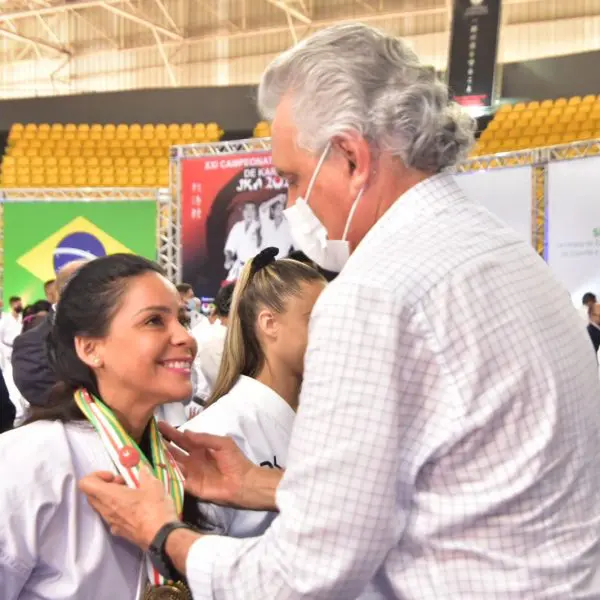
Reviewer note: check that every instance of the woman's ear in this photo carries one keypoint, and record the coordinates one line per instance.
(266, 324)
(89, 351)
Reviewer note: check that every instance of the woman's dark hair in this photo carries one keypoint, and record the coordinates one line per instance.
(86, 308)
(223, 300)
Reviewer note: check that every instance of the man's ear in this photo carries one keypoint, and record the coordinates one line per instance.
(90, 351)
(357, 153)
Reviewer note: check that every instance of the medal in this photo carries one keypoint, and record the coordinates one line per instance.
(128, 459)
(167, 591)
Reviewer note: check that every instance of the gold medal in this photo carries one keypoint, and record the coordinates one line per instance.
(168, 591)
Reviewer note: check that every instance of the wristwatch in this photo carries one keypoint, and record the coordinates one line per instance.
(156, 551)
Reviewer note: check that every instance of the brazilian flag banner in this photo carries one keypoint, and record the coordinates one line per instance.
(41, 237)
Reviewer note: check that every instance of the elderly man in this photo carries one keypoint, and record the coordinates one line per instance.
(425, 462)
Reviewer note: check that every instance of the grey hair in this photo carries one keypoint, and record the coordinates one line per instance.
(353, 78)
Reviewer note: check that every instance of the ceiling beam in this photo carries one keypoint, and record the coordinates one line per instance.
(52, 10)
(142, 21)
(291, 12)
(13, 35)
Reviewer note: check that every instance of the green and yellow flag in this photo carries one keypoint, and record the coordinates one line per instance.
(41, 237)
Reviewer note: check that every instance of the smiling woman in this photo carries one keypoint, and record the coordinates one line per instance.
(119, 351)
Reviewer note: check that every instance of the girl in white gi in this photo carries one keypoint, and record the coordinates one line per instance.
(117, 338)
(256, 393)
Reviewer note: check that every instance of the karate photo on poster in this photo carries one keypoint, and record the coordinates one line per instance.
(232, 208)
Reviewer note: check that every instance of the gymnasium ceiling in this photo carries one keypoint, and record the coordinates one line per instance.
(55, 47)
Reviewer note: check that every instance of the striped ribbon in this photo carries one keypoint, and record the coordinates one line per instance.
(115, 439)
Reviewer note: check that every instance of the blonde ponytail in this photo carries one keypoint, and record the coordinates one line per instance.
(256, 289)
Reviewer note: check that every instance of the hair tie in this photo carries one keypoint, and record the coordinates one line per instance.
(263, 259)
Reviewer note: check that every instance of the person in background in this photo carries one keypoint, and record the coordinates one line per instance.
(51, 292)
(211, 340)
(594, 326)
(10, 328)
(587, 302)
(31, 371)
(425, 462)
(34, 314)
(186, 295)
(255, 396)
(8, 410)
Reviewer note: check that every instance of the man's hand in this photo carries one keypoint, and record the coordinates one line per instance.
(133, 514)
(217, 471)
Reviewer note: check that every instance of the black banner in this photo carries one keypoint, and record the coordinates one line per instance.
(473, 51)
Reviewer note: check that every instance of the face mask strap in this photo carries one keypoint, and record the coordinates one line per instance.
(351, 214)
(313, 179)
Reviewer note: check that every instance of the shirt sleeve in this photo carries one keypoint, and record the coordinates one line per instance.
(347, 491)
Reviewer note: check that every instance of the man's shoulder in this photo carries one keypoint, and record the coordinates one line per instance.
(36, 335)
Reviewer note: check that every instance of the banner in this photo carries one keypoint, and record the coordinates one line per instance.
(232, 207)
(473, 51)
(41, 237)
(573, 225)
(505, 192)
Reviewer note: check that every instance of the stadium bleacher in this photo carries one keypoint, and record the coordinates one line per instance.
(535, 124)
(93, 155)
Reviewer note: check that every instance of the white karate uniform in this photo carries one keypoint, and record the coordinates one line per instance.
(53, 545)
(242, 242)
(260, 422)
(10, 328)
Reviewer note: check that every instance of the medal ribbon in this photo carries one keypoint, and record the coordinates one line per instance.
(127, 456)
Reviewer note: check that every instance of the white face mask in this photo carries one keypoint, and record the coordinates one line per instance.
(310, 235)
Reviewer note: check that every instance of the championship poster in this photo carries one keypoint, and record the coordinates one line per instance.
(41, 237)
(232, 208)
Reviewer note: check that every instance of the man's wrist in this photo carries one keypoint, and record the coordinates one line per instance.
(259, 490)
(178, 545)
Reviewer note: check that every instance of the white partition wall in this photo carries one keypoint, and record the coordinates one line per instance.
(573, 224)
(505, 192)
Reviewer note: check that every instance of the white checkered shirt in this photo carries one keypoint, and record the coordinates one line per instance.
(447, 442)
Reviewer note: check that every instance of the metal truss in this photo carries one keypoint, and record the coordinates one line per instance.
(216, 148)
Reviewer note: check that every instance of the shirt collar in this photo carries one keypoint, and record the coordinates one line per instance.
(270, 401)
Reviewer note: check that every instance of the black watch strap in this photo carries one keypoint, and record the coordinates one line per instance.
(161, 561)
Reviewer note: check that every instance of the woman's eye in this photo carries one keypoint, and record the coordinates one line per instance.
(155, 321)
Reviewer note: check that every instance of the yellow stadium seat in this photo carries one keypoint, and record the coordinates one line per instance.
(94, 181)
(148, 162)
(505, 108)
(559, 128)
(148, 131)
(584, 109)
(51, 171)
(585, 134)
(560, 102)
(141, 143)
(536, 122)
(570, 111)
(83, 127)
(589, 99)
(542, 113)
(486, 135)
(120, 162)
(136, 180)
(173, 135)
(51, 161)
(533, 105)
(60, 152)
(70, 127)
(17, 127)
(106, 162)
(143, 152)
(187, 135)
(57, 127)
(88, 144)
(92, 162)
(65, 181)
(9, 160)
(96, 135)
(108, 182)
(79, 172)
(43, 135)
(121, 172)
(122, 127)
(102, 152)
(52, 180)
(519, 106)
(128, 143)
(122, 181)
(530, 131)
(153, 143)
(149, 171)
(508, 145)
(38, 181)
(136, 171)
(556, 112)
(580, 117)
(129, 152)
(31, 152)
(115, 152)
(135, 134)
(162, 163)
(567, 138)
(161, 134)
(97, 128)
(69, 135)
(554, 139)
(574, 100)
(31, 127)
(163, 180)
(588, 124)
(502, 134)
(572, 127)
(135, 162)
